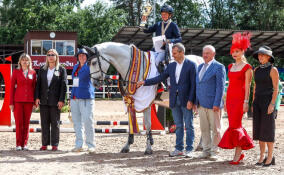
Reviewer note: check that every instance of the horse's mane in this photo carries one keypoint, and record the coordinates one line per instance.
(106, 44)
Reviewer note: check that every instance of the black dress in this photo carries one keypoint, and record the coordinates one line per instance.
(263, 123)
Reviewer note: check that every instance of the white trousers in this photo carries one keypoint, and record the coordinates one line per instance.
(210, 126)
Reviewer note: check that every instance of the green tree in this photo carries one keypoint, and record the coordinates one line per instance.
(187, 13)
(97, 24)
(19, 16)
(260, 15)
(220, 13)
(94, 24)
(133, 9)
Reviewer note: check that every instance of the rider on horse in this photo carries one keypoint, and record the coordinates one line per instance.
(165, 27)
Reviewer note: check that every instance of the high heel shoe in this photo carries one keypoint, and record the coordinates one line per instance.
(238, 162)
(271, 163)
(261, 163)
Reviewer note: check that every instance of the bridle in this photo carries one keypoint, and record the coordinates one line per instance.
(99, 57)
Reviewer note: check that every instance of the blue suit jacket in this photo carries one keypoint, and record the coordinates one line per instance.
(86, 89)
(210, 89)
(185, 85)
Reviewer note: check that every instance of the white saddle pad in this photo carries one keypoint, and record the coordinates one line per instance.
(145, 95)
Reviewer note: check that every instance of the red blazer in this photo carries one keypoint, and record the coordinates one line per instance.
(22, 88)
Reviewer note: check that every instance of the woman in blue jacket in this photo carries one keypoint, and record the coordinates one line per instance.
(82, 103)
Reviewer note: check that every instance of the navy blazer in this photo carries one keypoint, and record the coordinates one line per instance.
(56, 91)
(86, 89)
(172, 33)
(185, 86)
(210, 89)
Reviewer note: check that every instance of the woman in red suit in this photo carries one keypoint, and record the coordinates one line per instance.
(22, 99)
(240, 75)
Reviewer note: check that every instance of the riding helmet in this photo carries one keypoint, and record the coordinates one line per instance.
(82, 51)
(167, 8)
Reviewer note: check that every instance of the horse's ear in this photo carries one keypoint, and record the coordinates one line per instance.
(90, 50)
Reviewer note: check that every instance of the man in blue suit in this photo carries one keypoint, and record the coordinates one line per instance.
(210, 85)
(182, 74)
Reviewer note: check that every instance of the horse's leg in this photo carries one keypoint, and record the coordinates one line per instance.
(130, 141)
(150, 141)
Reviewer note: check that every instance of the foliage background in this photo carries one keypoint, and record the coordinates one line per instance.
(100, 22)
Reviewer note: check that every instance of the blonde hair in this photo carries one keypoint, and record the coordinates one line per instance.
(56, 62)
(244, 59)
(25, 56)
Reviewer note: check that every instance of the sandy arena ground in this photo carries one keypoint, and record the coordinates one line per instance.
(108, 160)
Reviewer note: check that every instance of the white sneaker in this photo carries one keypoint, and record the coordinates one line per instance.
(77, 150)
(25, 148)
(204, 155)
(188, 154)
(213, 157)
(91, 150)
(18, 148)
(176, 153)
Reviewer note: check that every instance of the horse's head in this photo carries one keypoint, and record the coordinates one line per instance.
(98, 66)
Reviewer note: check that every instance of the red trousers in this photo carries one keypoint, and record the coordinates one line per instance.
(22, 113)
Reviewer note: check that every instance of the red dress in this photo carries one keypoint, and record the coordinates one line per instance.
(236, 135)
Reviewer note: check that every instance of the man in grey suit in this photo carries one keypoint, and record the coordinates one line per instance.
(210, 85)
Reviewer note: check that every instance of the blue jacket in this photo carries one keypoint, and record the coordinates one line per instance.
(210, 89)
(172, 33)
(185, 86)
(86, 89)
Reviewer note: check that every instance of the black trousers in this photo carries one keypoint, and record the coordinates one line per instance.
(50, 123)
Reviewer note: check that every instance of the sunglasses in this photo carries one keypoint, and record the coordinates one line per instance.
(51, 55)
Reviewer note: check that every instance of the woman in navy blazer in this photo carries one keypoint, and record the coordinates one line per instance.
(22, 99)
(50, 95)
(82, 103)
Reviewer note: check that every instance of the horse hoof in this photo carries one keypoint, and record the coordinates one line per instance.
(125, 150)
(148, 152)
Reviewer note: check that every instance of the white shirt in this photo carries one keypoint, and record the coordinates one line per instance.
(178, 70)
(50, 73)
(209, 63)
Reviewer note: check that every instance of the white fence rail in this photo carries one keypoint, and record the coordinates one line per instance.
(104, 90)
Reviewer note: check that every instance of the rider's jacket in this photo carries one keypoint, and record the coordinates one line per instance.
(85, 90)
(172, 32)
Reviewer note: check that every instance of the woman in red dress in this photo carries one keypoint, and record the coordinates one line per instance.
(240, 75)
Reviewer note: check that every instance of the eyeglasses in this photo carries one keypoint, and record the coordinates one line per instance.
(51, 55)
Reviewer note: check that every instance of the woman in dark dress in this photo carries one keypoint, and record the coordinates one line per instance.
(265, 94)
